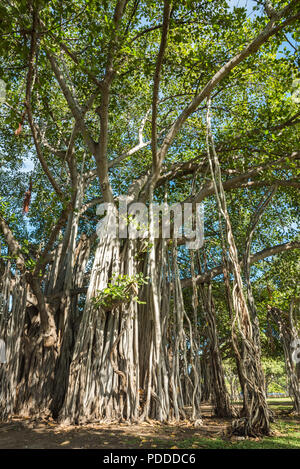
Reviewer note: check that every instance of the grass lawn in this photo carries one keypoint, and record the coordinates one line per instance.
(287, 436)
(286, 431)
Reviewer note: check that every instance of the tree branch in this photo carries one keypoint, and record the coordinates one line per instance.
(271, 28)
(215, 271)
(77, 112)
(13, 245)
(156, 81)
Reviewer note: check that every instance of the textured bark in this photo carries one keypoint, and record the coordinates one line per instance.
(12, 319)
(220, 396)
(289, 337)
(247, 256)
(104, 366)
(112, 376)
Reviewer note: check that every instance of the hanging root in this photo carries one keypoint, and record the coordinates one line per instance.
(246, 427)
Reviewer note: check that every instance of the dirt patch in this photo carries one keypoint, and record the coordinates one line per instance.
(28, 433)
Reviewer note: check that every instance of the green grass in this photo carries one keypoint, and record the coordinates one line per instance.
(286, 430)
(288, 439)
(279, 399)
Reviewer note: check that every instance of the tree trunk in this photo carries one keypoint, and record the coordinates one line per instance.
(14, 293)
(220, 396)
(289, 338)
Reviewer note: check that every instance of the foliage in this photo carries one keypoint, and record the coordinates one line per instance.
(120, 289)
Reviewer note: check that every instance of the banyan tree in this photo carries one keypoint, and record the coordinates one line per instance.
(128, 105)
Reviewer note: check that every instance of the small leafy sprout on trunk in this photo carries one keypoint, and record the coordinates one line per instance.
(120, 290)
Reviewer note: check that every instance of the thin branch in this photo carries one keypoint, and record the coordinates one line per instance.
(270, 29)
(156, 82)
(29, 84)
(215, 271)
(13, 245)
(77, 112)
(102, 110)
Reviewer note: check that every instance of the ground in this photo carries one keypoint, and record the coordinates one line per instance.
(28, 433)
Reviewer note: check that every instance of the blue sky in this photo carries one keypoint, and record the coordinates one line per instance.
(249, 4)
(27, 164)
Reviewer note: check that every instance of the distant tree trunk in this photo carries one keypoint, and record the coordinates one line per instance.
(186, 367)
(234, 389)
(289, 337)
(247, 254)
(250, 298)
(206, 379)
(220, 396)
